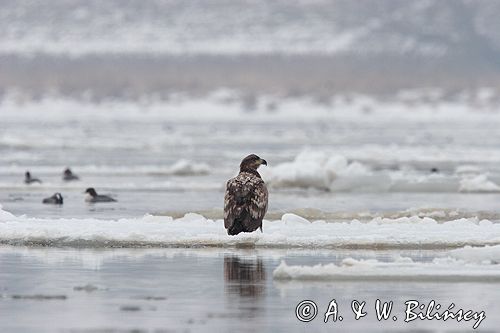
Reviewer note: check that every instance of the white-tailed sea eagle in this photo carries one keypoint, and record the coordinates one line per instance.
(245, 201)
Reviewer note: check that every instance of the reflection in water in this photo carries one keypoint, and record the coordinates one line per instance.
(244, 276)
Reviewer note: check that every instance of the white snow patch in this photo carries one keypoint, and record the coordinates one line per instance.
(294, 219)
(291, 231)
(401, 269)
(187, 168)
(334, 172)
(479, 183)
(485, 254)
(4, 215)
(317, 170)
(468, 170)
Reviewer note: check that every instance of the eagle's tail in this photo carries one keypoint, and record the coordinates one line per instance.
(235, 228)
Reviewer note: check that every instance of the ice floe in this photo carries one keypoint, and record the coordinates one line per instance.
(291, 231)
(333, 172)
(479, 183)
(403, 268)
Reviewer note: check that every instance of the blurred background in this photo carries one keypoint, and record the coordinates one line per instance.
(361, 108)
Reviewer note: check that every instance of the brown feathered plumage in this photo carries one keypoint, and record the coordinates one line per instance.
(245, 201)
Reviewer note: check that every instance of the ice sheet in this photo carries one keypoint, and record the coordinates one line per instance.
(291, 231)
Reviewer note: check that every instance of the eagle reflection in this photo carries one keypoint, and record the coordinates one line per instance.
(245, 277)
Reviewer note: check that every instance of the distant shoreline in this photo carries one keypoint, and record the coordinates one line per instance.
(130, 76)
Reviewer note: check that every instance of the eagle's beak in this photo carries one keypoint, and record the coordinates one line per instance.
(262, 161)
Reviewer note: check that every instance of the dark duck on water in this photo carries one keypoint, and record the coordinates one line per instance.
(246, 198)
(55, 199)
(30, 180)
(92, 196)
(68, 175)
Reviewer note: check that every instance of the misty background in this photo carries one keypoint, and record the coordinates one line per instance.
(148, 50)
(377, 106)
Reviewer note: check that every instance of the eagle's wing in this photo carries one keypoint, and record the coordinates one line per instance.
(258, 202)
(245, 203)
(234, 191)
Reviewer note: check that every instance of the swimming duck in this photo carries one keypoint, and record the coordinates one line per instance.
(56, 199)
(92, 196)
(29, 180)
(69, 176)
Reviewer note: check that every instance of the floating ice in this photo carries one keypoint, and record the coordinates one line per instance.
(291, 231)
(468, 170)
(187, 168)
(479, 183)
(181, 167)
(485, 254)
(333, 172)
(5, 215)
(319, 170)
(403, 268)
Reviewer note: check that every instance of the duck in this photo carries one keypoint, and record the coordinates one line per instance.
(68, 175)
(55, 199)
(92, 196)
(30, 180)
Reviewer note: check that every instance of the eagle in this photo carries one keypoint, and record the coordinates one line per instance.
(246, 197)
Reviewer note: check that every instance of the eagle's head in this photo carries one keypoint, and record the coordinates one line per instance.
(251, 163)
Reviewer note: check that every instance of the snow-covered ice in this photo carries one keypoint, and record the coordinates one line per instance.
(404, 269)
(291, 231)
(463, 264)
